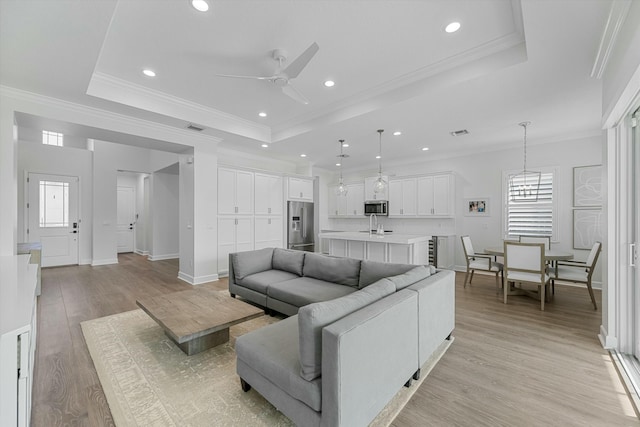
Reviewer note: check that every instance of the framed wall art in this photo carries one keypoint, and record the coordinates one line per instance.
(477, 206)
(587, 186)
(587, 228)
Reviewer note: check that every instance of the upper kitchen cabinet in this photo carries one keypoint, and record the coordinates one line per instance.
(351, 205)
(300, 189)
(402, 197)
(369, 194)
(268, 194)
(435, 195)
(235, 192)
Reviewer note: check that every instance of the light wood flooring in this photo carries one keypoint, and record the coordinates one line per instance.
(509, 365)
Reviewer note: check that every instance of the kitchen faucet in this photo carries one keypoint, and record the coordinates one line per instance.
(370, 225)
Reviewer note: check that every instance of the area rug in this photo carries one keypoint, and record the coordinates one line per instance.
(148, 380)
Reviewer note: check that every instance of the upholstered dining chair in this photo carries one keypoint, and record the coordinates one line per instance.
(536, 239)
(525, 263)
(579, 271)
(479, 261)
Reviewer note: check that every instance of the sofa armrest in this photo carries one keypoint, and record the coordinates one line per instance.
(367, 356)
(436, 310)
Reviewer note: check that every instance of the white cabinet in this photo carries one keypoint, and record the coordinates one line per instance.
(351, 205)
(402, 197)
(235, 234)
(300, 189)
(268, 194)
(235, 192)
(268, 232)
(435, 196)
(369, 194)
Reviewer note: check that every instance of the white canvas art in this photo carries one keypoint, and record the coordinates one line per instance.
(587, 228)
(587, 186)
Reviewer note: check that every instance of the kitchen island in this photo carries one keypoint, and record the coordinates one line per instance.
(388, 247)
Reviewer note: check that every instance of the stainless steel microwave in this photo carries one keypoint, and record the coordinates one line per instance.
(378, 207)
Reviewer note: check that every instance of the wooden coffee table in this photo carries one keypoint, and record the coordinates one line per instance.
(199, 318)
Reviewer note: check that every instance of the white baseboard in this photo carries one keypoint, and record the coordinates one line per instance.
(197, 280)
(97, 262)
(85, 261)
(143, 253)
(163, 257)
(607, 340)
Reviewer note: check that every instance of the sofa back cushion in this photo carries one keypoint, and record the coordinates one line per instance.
(412, 276)
(288, 260)
(313, 317)
(344, 271)
(372, 271)
(250, 262)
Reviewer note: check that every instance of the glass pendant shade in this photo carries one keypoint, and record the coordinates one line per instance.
(524, 186)
(341, 189)
(380, 186)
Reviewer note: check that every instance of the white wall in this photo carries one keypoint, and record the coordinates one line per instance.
(39, 158)
(165, 213)
(35, 136)
(480, 175)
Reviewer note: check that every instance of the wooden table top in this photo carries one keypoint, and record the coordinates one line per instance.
(550, 254)
(190, 314)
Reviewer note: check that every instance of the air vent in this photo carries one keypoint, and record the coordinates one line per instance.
(195, 127)
(459, 132)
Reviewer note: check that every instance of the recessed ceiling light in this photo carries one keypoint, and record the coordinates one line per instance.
(338, 164)
(149, 73)
(265, 145)
(397, 133)
(200, 5)
(425, 148)
(452, 27)
(303, 155)
(329, 83)
(262, 114)
(345, 145)
(378, 157)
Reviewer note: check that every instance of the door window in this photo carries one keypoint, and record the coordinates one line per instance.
(54, 204)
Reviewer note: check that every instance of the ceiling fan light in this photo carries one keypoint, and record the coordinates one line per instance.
(200, 5)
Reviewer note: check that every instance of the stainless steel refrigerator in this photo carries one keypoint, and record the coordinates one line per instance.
(300, 232)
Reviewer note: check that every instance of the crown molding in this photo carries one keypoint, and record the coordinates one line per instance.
(124, 92)
(617, 15)
(117, 122)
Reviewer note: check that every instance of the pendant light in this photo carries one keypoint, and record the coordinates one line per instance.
(342, 189)
(524, 186)
(380, 186)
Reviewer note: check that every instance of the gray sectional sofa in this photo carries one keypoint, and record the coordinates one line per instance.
(358, 331)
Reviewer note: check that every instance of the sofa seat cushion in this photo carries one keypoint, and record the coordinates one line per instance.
(259, 282)
(288, 260)
(306, 290)
(372, 271)
(273, 352)
(345, 271)
(250, 262)
(313, 318)
(410, 277)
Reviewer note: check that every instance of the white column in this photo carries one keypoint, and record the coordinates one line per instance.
(8, 180)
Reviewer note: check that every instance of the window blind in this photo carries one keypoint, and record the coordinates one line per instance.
(532, 218)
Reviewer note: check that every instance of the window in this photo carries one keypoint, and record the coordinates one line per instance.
(54, 204)
(531, 218)
(52, 138)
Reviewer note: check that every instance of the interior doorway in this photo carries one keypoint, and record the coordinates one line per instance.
(53, 217)
(126, 215)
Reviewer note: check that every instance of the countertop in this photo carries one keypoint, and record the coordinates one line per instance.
(405, 239)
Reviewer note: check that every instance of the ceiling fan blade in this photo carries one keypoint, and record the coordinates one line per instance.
(246, 77)
(301, 61)
(292, 93)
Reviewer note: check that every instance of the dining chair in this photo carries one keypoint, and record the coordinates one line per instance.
(525, 263)
(579, 271)
(536, 239)
(479, 261)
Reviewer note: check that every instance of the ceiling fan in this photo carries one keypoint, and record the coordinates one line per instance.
(282, 78)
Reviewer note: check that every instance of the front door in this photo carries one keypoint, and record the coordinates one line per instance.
(52, 212)
(126, 219)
